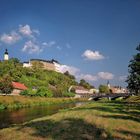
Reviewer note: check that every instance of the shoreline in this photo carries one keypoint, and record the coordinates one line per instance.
(17, 102)
(94, 120)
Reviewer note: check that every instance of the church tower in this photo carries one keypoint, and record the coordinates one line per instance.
(108, 84)
(6, 56)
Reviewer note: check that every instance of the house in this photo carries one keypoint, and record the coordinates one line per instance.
(17, 88)
(80, 92)
(116, 89)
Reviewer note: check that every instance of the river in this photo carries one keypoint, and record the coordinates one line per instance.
(10, 117)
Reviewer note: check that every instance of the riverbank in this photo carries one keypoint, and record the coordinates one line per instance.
(16, 102)
(94, 120)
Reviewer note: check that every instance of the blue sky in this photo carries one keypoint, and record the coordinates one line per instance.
(94, 39)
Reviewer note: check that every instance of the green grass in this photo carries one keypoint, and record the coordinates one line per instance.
(134, 99)
(15, 102)
(95, 120)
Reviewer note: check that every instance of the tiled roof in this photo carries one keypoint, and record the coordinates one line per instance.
(18, 85)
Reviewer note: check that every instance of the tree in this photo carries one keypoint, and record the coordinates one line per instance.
(133, 78)
(69, 75)
(6, 84)
(85, 84)
(103, 89)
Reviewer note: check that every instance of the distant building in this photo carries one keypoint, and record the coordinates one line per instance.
(6, 56)
(18, 87)
(116, 89)
(81, 92)
(48, 65)
(27, 64)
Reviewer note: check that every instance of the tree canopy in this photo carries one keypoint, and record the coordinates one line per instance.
(85, 84)
(133, 78)
(103, 89)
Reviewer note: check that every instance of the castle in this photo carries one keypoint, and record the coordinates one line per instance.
(53, 65)
(48, 65)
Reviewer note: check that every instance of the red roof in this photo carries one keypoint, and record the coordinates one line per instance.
(18, 85)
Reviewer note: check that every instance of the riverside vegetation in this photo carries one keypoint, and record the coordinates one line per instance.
(16, 102)
(94, 120)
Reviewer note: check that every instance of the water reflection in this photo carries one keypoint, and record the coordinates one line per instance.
(10, 117)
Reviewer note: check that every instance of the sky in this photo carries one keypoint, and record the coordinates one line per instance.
(93, 39)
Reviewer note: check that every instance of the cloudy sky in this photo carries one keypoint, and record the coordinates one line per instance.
(93, 39)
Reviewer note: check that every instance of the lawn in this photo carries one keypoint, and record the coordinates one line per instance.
(95, 120)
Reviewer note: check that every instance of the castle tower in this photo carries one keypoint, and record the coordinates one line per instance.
(108, 84)
(6, 56)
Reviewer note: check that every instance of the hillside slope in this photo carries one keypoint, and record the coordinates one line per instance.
(36, 77)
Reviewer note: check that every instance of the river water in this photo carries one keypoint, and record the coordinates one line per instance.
(10, 117)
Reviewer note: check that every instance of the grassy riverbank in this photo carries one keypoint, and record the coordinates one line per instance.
(95, 120)
(15, 102)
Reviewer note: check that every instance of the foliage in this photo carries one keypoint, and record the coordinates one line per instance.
(103, 89)
(6, 84)
(85, 84)
(133, 79)
(37, 77)
(44, 92)
(29, 92)
(69, 75)
(68, 94)
(10, 102)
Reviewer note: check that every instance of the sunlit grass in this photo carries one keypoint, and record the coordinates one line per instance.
(119, 121)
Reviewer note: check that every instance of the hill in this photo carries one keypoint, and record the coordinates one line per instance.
(37, 77)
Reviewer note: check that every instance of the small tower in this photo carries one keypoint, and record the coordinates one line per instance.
(6, 56)
(108, 84)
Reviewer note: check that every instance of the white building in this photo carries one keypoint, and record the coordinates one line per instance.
(27, 64)
(6, 56)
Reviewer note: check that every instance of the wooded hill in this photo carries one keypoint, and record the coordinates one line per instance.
(36, 77)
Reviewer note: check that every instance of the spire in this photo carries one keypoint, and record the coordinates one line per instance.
(108, 84)
(6, 51)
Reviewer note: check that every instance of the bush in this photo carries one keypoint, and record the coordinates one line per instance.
(24, 92)
(44, 92)
(28, 92)
(68, 94)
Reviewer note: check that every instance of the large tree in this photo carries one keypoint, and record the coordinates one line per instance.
(6, 85)
(85, 84)
(103, 89)
(133, 79)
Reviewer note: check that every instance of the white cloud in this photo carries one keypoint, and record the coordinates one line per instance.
(87, 77)
(31, 47)
(36, 31)
(72, 70)
(27, 31)
(59, 48)
(106, 75)
(49, 44)
(122, 78)
(11, 38)
(92, 55)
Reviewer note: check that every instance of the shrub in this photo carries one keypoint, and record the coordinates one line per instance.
(68, 94)
(44, 92)
(28, 92)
